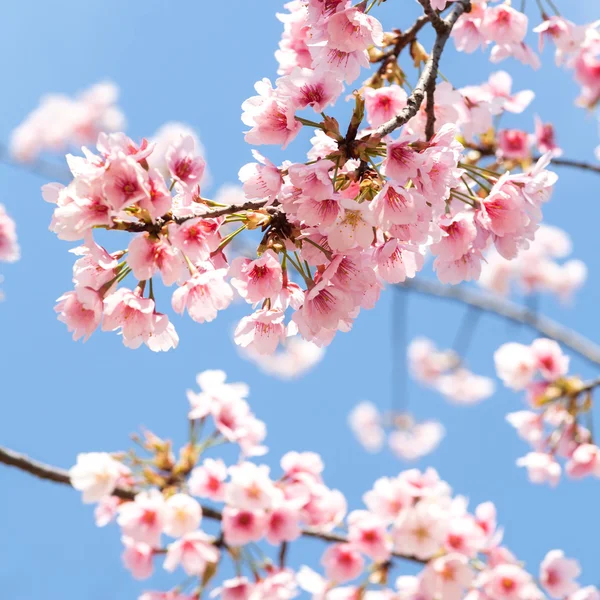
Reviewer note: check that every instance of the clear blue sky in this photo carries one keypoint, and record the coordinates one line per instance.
(196, 62)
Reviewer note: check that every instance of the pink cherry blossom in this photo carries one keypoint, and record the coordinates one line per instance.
(447, 577)
(207, 480)
(506, 582)
(96, 475)
(283, 524)
(185, 166)
(137, 557)
(262, 331)
(182, 515)
(504, 25)
(81, 311)
(131, 313)
(384, 103)
(250, 487)
(241, 526)
(368, 534)
(513, 143)
(584, 461)
(342, 562)
(262, 179)
(143, 519)
(350, 30)
(126, 183)
(204, 294)
(413, 440)
(257, 279)
(194, 551)
(557, 574)
(270, 116)
(147, 255)
(420, 531)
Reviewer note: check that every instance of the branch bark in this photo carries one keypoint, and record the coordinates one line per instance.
(57, 475)
(429, 74)
(510, 311)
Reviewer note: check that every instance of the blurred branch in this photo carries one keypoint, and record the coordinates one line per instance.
(58, 475)
(42, 168)
(506, 309)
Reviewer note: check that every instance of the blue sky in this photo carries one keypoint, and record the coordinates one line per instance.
(196, 62)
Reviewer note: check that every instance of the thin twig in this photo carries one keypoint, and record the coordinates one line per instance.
(429, 73)
(513, 312)
(58, 475)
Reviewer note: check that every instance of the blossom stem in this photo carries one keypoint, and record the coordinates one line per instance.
(228, 239)
(310, 123)
(328, 254)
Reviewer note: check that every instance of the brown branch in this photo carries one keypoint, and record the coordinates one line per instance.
(58, 475)
(510, 311)
(438, 23)
(429, 73)
(403, 40)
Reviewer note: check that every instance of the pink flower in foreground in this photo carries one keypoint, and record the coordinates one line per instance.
(207, 480)
(137, 557)
(262, 331)
(143, 519)
(342, 562)
(125, 183)
(558, 574)
(130, 312)
(368, 533)
(506, 582)
(420, 531)
(513, 143)
(447, 577)
(241, 526)
(257, 279)
(193, 552)
(504, 25)
(250, 487)
(384, 103)
(203, 295)
(81, 311)
(182, 515)
(147, 255)
(185, 166)
(350, 30)
(283, 525)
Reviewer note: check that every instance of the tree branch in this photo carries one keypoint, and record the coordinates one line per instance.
(58, 475)
(501, 307)
(562, 162)
(429, 74)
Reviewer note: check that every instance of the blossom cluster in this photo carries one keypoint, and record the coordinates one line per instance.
(362, 211)
(552, 425)
(60, 122)
(536, 269)
(414, 515)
